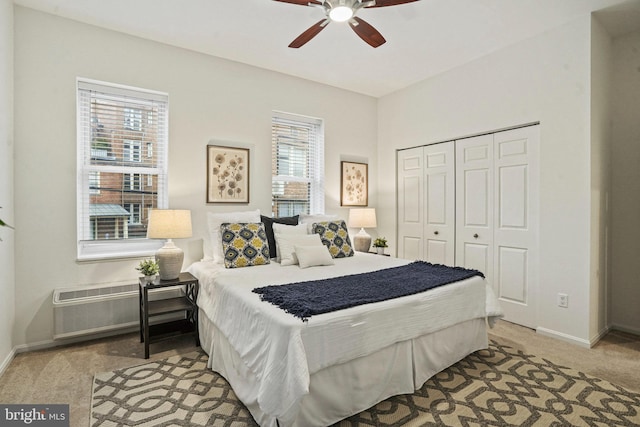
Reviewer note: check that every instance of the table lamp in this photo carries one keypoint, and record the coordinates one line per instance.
(169, 224)
(362, 218)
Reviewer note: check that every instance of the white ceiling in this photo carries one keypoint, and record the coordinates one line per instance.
(424, 38)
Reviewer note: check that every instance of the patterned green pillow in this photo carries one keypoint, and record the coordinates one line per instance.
(335, 237)
(244, 244)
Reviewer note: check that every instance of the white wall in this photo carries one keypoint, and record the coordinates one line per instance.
(7, 271)
(545, 79)
(625, 183)
(210, 98)
(601, 64)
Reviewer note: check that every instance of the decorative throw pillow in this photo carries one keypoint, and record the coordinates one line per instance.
(288, 242)
(215, 220)
(268, 228)
(335, 236)
(300, 229)
(244, 244)
(311, 256)
(313, 218)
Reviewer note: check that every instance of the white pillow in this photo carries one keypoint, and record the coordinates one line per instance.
(310, 219)
(287, 229)
(288, 242)
(215, 220)
(311, 256)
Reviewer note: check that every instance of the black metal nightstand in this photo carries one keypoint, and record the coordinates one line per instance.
(185, 303)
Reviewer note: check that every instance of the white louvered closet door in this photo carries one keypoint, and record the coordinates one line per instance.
(410, 203)
(439, 197)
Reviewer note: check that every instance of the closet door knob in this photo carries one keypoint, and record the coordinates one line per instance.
(475, 236)
(436, 232)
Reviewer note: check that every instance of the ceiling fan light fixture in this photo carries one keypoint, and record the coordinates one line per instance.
(341, 13)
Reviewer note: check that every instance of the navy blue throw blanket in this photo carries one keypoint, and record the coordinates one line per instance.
(304, 299)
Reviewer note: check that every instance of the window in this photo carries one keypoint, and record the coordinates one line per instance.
(134, 213)
(131, 150)
(132, 181)
(114, 124)
(132, 119)
(94, 182)
(297, 164)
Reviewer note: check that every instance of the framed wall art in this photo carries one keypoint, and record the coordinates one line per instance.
(227, 174)
(354, 184)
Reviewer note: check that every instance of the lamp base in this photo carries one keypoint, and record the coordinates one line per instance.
(169, 258)
(362, 241)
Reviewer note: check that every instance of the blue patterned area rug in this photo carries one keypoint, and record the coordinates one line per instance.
(499, 386)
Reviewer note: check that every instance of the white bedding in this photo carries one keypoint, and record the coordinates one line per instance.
(283, 352)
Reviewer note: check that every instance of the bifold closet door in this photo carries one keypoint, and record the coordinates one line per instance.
(410, 203)
(515, 273)
(439, 197)
(497, 216)
(474, 204)
(426, 203)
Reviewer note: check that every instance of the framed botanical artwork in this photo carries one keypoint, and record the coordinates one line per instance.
(227, 174)
(354, 184)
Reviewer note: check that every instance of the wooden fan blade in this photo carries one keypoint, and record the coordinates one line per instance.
(301, 2)
(366, 32)
(384, 3)
(309, 34)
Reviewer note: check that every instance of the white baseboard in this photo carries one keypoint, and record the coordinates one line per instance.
(47, 344)
(23, 348)
(624, 328)
(602, 333)
(582, 342)
(35, 346)
(42, 345)
(7, 361)
(564, 337)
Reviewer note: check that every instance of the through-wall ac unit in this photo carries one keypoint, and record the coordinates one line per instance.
(98, 309)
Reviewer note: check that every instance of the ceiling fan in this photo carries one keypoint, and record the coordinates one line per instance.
(342, 11)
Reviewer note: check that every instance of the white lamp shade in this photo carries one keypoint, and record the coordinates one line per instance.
(169, 224)
(362, 218)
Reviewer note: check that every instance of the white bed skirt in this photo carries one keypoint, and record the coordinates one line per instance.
(339, 391)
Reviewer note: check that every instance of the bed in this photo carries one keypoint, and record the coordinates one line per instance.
(317, 372)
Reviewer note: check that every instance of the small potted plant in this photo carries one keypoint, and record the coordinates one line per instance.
(149, 268)
(380, 243)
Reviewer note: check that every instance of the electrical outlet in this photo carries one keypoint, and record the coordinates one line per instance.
(563, 300)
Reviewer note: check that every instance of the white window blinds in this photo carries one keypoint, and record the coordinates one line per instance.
(297, 163)
(122, 167)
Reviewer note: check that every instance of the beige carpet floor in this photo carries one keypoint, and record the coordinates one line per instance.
(499, 386)
(65, 375)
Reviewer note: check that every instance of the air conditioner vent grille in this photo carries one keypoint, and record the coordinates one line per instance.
(97, 309)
